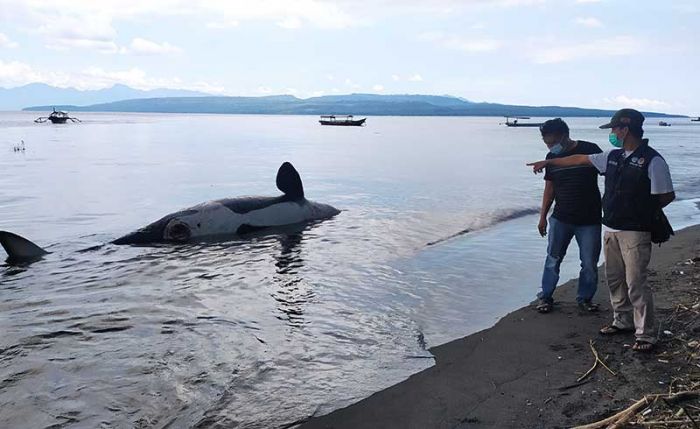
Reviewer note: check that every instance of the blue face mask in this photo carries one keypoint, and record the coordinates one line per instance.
(556, 149)
(614, 140)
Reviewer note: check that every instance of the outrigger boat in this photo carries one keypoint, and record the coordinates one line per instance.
(342, 120)
(696, 119)
(515, 123)
(56, 117)
(664, 124)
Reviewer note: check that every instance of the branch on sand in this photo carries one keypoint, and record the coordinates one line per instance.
(595, 364)
(620, 419)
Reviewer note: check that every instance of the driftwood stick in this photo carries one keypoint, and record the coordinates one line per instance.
(620, 419)
(629, 414)
(598, 359)
(660, 422)
(571, 386)
(615, 417)
(595, 364)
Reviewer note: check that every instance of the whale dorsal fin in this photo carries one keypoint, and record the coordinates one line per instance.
(289, 182)
(19, 249)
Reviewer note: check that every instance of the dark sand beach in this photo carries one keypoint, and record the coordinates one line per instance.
(522, 372)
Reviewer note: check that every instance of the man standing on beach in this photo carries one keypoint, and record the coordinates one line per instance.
(576, 214)
(637, 185)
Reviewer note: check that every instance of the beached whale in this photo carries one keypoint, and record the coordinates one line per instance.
(240, 216)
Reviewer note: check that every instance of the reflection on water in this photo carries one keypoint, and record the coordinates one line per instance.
(292, 291)
(266, 330)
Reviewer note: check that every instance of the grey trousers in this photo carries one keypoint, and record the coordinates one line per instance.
(627, 255)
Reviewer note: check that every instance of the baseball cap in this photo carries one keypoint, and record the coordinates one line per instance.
(625, 118)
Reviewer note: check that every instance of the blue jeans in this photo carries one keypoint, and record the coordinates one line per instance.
(589, 244)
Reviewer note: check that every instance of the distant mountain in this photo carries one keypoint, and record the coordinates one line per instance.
(39, 93)
(352, 104)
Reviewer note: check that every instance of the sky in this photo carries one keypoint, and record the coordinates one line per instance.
(608, 54)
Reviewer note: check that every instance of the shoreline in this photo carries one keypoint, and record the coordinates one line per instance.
(522, 372)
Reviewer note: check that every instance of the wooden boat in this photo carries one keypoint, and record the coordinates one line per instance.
(664, 124)
(56, 117)
(342, 120)
(515, 123)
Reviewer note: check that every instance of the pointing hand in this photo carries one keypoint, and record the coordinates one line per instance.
(538, 166)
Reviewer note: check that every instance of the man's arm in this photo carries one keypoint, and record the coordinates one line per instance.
(567, 161)
(661, 183)
(547, 200)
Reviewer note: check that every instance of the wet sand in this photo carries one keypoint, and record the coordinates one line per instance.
(522, 372)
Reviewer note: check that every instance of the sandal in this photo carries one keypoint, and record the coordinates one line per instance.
(588, 306)
(544, 307)
(643, 346)
(614, 330)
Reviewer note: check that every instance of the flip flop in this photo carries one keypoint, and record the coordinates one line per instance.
(588, 306)
(643, 346)
(544, 307)
(614, 330)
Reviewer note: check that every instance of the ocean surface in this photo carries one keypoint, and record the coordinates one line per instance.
(265, 331)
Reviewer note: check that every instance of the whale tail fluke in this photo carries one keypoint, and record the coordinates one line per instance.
(289, 182)
(19, 249)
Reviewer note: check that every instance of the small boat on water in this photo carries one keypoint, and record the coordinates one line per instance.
(56, 117)
(342, 120)
(515, 123)
(696, 119)
(664, 124)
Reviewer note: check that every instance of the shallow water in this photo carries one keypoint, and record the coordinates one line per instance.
(264, 331)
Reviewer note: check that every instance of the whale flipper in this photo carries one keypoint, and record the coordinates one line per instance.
(289, 182)
(19, 249)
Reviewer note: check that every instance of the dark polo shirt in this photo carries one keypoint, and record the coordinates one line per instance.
(576, 194)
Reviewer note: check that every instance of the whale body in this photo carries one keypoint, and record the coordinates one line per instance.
(229, 216)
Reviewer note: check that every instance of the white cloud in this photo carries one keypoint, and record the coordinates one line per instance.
(105, 47)
(416, 78)
(222, 25)
(643, 103)
(459, 43)
(218, 13)
(378, 88)
(395, 77)
(222, 14)
(686, 7)
(587, 1)
(96, 77)
(15, 73)
(290, 23)
(141, 46)
(64, 32)
(5, 42)
(516, 3)
(265, 90)
(351, 84)
(612, 47)
(589, 22)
